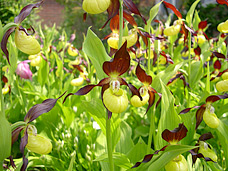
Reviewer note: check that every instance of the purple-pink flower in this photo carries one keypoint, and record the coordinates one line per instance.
(23, 70)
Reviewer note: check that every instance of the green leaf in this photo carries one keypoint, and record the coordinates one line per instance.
(137, 152)
(70, 168)
(43, 73)
(169, 118)
(190, 13)
(162, 158)
(153, 12)
(196, 20)
(165, 75)
(95, 50)
(222, 132)
(196, 73)
(119, 159)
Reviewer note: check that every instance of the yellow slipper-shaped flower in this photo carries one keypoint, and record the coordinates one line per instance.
(38, 144)
(115, 102)
(179, 163)
(207, 152)
(223, 27)
(96, 6)
(136, 102)
(25, 43)
(211, 119)
(77, 81)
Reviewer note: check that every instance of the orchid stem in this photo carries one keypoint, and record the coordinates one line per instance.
(151, 130)
(149, 52)
(208, 78)
(120, 23)
(109, 142)
(2, 113)
(189, 67)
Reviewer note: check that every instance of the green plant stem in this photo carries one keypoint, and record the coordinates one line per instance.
(109, 142)
(120, 23)
(149, 53)
(208, 78)
(2, 113)
(189, 67)
(1, 165)
(152, 127)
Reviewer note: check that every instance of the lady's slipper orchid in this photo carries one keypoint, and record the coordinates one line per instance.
(146, 91)
(174, 29)
(77, 81)
(37, 143)
(223, 27)
(200, 35)
(206, 111)
(23, 40)
(23, 70)
(204, 150)
(72, 51)
(5, 89)
(31, 139)
(111, 85)
(35, 60)
(172, 137)
(95, 6)
(222, 86)
(26, 43)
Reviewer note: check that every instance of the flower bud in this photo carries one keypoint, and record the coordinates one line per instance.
(211, 119)
(115, 102)
(222, 86)
(179, 163)
(38, 144)
(77, 81)
(23, 70)
(96, 6)
(26, 44)
(206, 151)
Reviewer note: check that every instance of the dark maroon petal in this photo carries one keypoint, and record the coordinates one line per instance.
(202, 24)
(206, 136)
(148, 157)
(39, 109)
(168, 58)
(109, 114)
(184, 81)
(4, 79)
(129, 18)
(184, 30)
(24, 141)
(214, 98)
(12, 162)
(174, 78)
(25, 164)
(197, 51)
(4, 42)
(219, 55)
(120, 63)
(175, 135)
(133, 8)
(217, 65)
(199, 115)
(222, 2)
(196, 155)
(151, 98)
(84, 16)
(26, 11)
(114, 23)
(188, 109)
(144, 37)
(173, 8)
(112, 10)
(15, 134)
(142, 75)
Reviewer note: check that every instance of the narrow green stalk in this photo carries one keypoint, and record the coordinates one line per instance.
(109, 142)
(149, 53)
(189, 67)
(152, 128)
(208, 78)
(1, 165)
(120, 23)
(2, 113)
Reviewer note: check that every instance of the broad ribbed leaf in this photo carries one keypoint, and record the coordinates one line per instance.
(191, 12)
(26, 11)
